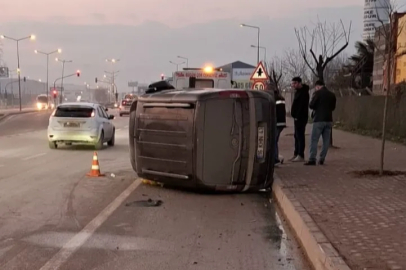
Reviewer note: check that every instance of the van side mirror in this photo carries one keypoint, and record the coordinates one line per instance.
(111, 117)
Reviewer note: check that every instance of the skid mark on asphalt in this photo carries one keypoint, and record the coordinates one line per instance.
(80, 238)
(34, 156)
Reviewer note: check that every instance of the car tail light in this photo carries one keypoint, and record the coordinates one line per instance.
(123, 102)
(234, 94)
(53, 113)
(92, 115)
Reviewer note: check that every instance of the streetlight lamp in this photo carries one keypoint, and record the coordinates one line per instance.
(63, 71)
(17, 40)
(263, 48)
(185, 58)
(113, 61)
(255, 27)
(47, 54)
(176, 64)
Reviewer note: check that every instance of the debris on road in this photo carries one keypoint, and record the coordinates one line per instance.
(146, 203)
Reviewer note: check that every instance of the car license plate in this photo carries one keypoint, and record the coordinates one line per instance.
(71, 124)
(261, 143)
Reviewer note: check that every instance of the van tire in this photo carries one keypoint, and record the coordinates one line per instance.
(99, 144)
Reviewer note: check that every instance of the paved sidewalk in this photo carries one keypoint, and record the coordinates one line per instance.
(364, 218)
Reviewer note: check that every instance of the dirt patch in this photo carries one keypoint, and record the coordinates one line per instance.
(375, 173)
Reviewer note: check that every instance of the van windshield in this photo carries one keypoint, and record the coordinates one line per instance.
(74, 111)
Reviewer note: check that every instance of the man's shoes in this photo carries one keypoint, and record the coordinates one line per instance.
(321, 162)
(292, 158)
(310, 163)
(298, 159)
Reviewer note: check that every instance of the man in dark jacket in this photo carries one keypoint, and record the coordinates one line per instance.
(300, 114)
(280, 123)
(323, 104)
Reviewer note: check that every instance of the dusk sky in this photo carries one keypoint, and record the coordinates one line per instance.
(175, 13)
(146, 35)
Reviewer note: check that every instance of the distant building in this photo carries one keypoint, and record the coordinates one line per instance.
(398, 72)
(379, 59)
(30, 89)
(240, 73)
(375, 12)
(400, 64)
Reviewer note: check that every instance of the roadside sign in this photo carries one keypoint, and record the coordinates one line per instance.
(4, 72)
(258, 85)
(260, 73)
(132, 84)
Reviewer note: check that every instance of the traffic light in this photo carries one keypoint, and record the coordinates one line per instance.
(162, 77)
(54, 93)
(78, 73)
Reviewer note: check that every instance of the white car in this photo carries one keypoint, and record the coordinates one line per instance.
(81, 123)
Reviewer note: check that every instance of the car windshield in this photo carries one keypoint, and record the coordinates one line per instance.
(74, 111)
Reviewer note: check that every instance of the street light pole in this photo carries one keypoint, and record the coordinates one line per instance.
(259, 29)
(63, 71)
(113, 61)
(32, 37)
(176, 64)
(185, 58)
(263, 48)
(47, 55)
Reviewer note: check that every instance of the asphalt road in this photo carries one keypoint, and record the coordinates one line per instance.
(53, 217)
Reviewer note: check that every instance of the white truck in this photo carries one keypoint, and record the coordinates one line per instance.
(201, 78)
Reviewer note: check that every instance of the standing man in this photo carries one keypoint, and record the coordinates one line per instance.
(300, 114)
(323, 104)
(280, 123)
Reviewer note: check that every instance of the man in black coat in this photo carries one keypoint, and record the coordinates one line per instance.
(300, 114)
(323, 104)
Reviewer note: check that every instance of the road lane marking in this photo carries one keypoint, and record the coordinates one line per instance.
(34, 156)
(80, 238)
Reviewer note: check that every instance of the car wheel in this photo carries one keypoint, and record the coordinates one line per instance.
(99, 144)
(121, 115)
(52, 145)
(113, 139)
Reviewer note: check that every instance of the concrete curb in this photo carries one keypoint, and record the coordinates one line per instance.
(5, 115)
(319, 250)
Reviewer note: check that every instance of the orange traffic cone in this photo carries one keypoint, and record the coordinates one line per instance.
(95, 171)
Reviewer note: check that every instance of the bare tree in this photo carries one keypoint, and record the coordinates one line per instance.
(295, 65)
(388, 32)
(326, 40)
(276, 73)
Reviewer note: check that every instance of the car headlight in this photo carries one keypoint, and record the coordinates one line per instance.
(39, 105)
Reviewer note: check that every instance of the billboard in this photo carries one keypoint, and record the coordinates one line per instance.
(132, 84)
(375, 11)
